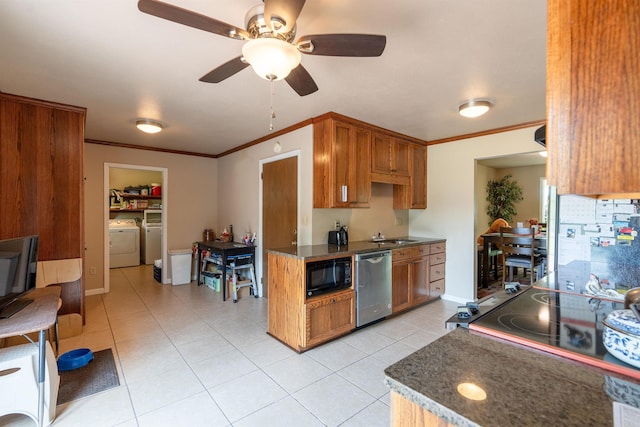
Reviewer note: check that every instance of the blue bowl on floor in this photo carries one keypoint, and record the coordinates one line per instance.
(74, 359)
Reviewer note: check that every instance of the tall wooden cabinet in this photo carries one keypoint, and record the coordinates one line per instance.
(593, 107)
(41, 177)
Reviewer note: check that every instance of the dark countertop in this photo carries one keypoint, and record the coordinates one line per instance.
(317, 251)
(523, 386)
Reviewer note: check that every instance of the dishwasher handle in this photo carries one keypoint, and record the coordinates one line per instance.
(373, 258)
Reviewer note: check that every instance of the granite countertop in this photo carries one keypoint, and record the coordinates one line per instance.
(363, 246)
(523, 386)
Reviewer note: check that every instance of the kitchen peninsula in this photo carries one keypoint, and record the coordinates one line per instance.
(302, 321)
(533, 358)
(523, 386)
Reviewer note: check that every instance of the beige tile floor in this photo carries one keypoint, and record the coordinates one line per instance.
(185, 358)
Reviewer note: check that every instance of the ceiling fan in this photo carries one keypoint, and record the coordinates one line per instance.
(269, 48)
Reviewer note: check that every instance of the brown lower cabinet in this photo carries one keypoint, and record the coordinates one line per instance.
(414, 279)
(299, 322)
(329, 316)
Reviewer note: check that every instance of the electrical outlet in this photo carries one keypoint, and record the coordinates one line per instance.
(398, 221)
(92, 270)
(337, 224)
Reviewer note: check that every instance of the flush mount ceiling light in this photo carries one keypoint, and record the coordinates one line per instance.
(474, 108)
(149, 126)
(271, 58)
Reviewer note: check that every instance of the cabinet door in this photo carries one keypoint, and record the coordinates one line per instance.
(341, 156)
(351, 170)
(401, 157)
(593, 79)
(360, 183)
(400, 289)
(329, 317)
(381, 153)
(419, 275)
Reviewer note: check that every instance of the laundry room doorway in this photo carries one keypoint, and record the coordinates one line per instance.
(135, 218)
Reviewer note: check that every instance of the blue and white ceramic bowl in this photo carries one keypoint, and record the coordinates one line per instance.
(621, 336)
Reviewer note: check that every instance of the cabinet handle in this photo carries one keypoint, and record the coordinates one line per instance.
(333, 300)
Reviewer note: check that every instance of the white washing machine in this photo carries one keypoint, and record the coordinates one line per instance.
(124, 243)
(151, 237)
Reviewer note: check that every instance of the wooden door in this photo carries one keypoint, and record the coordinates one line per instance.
(279, 209)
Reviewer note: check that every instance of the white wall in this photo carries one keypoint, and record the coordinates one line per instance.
(451, 201)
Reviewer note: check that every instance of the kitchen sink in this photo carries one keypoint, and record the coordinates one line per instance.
(393, 241)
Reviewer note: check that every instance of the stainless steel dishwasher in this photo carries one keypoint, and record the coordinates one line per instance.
(373, 286)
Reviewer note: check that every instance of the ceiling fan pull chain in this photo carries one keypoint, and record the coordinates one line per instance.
(272, 113)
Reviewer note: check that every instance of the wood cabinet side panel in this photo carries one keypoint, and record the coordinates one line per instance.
(42, 174)
(286, 297)
(593, 78)
(405, 413)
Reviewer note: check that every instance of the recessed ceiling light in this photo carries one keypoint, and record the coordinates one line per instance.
(474, 108)
(149, 125)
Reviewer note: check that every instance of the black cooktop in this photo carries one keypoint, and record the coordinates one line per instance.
(561, 323)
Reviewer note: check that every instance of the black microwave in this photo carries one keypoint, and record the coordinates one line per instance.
(328, 276)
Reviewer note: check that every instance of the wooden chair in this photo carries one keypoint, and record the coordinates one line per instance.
(519, 250)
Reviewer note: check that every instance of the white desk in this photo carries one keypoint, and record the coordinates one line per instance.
(38, 316)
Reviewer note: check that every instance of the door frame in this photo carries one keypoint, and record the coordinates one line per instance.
(164, 216)
(261, 163)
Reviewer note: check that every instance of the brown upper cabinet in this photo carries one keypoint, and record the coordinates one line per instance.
(349, 155)
(390, 160)
(593, 108)
(341, 174)
(414, 195)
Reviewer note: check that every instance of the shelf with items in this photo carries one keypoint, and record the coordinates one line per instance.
(129, 202)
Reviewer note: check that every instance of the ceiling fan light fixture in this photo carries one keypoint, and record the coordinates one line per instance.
(271, 58)
(149, 125)
(474, 108)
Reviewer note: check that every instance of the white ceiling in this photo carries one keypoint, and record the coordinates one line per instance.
(122, 64)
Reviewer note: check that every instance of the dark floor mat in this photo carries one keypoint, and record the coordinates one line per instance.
(98, 375)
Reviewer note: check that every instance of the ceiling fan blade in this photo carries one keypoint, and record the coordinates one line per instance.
(191, 19)
(301, 81)
(224, 71)
(284, 10)
(342, 44)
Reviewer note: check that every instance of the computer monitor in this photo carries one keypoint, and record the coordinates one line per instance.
(18, 267)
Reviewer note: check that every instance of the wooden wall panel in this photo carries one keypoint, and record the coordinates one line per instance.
(42, 183)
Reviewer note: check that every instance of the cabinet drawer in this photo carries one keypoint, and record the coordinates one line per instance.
(438, 247)
(410, 252)
(436, 288)
(437, 258)
(436, 272)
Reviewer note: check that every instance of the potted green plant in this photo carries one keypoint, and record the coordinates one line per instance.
(502, 196)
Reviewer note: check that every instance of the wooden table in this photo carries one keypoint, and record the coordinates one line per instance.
(225, 250)
(494, 238)
(38, 316)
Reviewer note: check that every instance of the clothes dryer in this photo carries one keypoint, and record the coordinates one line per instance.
(151, 237)
(124, 243)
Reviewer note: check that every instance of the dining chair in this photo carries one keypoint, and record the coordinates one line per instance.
(519, 251)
